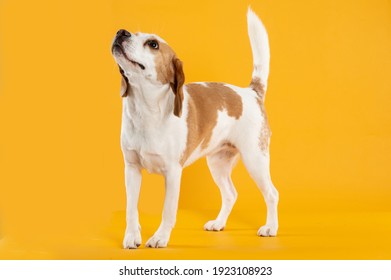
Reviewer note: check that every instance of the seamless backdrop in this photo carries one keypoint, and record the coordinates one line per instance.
(61, 171)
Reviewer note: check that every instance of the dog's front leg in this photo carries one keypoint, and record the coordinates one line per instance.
(132, 237)
(162, 235)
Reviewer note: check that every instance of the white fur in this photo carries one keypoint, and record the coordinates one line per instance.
(154, 139)
(259, 46)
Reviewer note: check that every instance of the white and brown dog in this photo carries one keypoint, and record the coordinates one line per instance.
(167, 125)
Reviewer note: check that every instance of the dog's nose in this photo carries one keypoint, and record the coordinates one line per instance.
(123, 32)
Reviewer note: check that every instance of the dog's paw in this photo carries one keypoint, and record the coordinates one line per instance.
(157, 241)
(214, 225)
(267, 230)
(132, 240)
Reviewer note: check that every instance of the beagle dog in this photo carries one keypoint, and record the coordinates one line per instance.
(167, 125)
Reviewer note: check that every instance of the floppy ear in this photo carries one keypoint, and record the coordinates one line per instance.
(124, 83)
(124, 87)
(176, 85)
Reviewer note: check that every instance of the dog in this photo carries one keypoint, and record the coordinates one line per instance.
(167, 125)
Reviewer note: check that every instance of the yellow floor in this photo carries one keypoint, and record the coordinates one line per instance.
(302, 236)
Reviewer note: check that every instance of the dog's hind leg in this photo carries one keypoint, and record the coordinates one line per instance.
(220, 165)
(257, 163)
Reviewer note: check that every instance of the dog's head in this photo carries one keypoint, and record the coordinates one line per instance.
(146, 58)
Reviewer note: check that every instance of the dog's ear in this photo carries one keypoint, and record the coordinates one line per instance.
(124, 83)
(177, 85)
(124, 87)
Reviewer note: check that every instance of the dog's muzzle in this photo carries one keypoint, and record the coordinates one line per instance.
(121, 36)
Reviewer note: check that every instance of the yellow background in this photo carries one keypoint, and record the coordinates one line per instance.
(61, 171)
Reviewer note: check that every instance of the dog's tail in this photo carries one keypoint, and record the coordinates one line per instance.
(261, 53)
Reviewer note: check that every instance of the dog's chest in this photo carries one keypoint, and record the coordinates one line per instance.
(145, 152)
(150, 148)
(150, 141)
(153, 163)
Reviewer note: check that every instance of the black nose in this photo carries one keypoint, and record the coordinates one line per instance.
(123, 32)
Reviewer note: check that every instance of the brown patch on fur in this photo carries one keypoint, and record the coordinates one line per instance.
(258, 87)
(204, 104)
(163, 61)
(169, 70)
(124, 87)
(229, 150)
(264, 136)
(177, 86)
(124, 83)
(228, 145)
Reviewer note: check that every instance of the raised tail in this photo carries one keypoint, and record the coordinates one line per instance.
(261, 53)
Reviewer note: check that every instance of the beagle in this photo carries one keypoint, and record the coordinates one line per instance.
(167, 125)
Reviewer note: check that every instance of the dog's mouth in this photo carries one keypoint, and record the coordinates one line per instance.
(118, 47)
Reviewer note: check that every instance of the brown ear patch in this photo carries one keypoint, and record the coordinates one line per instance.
(204, 103)
(177, 85)
(163, 63)
(124, 87)
(169, 70)
(124, 83)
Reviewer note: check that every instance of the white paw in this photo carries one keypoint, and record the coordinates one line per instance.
(158, 241)
(267, 230)
(214, 225)
(132, 240)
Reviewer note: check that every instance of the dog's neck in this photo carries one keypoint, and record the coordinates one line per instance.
(147, 104)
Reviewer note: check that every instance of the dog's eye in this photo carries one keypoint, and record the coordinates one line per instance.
(153, 44)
